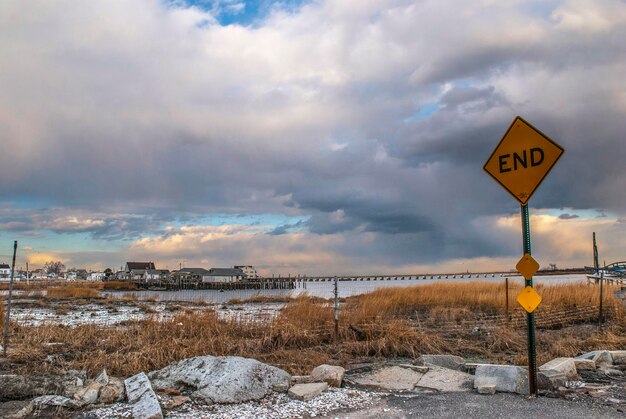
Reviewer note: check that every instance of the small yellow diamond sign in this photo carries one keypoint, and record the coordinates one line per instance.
(529, 299)
(522, 159)
(527, 266)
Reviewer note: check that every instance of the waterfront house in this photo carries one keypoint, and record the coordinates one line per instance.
(5, 271)
(138, 265)
(191, 275)
(224, 275)
(248, 270)
(157, 275)
(96, 276)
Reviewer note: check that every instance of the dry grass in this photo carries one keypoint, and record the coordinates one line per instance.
(301, 336)
(72, 292)
(262, 299)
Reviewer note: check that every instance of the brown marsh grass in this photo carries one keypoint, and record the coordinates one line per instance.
(69, 292)
(301, 336)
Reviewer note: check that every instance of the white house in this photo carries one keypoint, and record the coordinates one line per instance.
(5, 271)
(96, 276)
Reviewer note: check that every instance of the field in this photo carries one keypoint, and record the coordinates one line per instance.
(467, 319)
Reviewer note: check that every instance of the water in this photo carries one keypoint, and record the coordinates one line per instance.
(325, 289)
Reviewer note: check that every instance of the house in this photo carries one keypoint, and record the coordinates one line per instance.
(224, 275)
(76, 274)
(138, 265)
(248, 270)
(191, 275)
(96, 276)
(5, 271)
(138, 275)
(157, 274)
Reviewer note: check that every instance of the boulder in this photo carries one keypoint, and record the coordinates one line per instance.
(584, 364)
(226, 379)
(452, 362)
(331, 374)
(506, 378)
(112, 392)
(308, 391)
(618, 357)
(19, 387)
(562, 366)
(601, 358)
(145, 404)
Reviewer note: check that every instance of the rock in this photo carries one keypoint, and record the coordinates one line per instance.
(562, 366)
(89, 394)
(227, 379)
(452, 362)
(612, 372)
(487, 389)
(388, 378)
(417, 368)
(330, 374)
(506, 378)
(308, 391)
(55, 401)
(102, 378)
(445, 379)
(584, 364)
(618, 357)
(551, 380)
(19, 387)
(112, 392)
(176, 401)
(142, 397)
(599, 357)
(301, 379)
(16, 409)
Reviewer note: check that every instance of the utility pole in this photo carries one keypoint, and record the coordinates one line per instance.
(6, 320)
(336, 292)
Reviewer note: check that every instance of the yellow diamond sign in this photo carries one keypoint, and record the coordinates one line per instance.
(522, 159)
(529, 299)
(527, 266)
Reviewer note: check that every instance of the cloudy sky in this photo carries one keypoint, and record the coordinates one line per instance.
(323, 136)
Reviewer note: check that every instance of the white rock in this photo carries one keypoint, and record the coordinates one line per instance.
(145, 404)
(506, 378)
(331, 374)
(227, 379)
(102, 378)
(89, 394)
(307, 391)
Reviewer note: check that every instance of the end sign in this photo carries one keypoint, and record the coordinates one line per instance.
(522, 159)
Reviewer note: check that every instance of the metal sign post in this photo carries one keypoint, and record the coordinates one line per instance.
(530, 316)
(519, 163)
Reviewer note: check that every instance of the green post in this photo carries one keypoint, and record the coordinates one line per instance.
(530, 317)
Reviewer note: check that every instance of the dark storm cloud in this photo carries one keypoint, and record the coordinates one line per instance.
(567, 216)
(316, 113)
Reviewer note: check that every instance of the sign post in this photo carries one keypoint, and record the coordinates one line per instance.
(519, 163)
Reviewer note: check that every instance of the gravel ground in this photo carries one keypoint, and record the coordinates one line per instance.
(275, 406)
